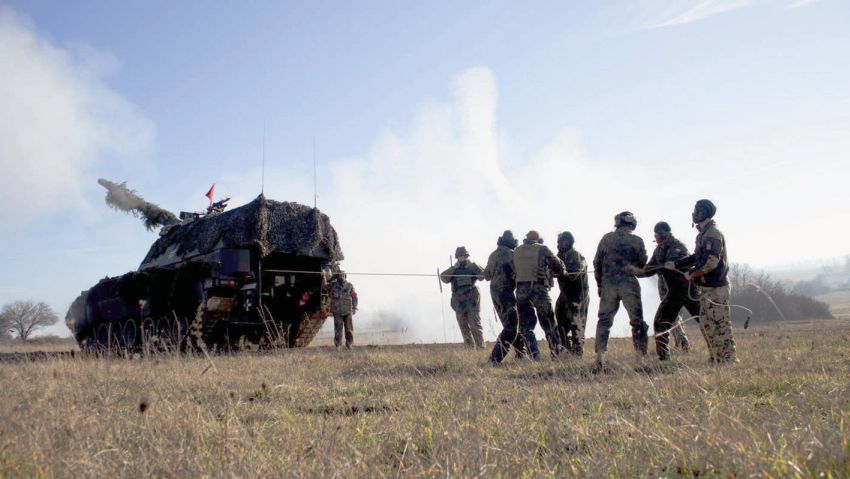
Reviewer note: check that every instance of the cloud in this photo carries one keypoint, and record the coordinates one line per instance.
(704, 9)
(60, 119)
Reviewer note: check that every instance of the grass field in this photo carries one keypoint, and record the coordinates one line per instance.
(436, 411)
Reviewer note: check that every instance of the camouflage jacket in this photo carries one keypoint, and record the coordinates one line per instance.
(465, 296)
(616, 250)
(343, 297)
(709, 264)
(573, 284)
(536, 263)
(670, 250)
(500, 270)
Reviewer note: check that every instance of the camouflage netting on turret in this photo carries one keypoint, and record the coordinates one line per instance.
(272, 226)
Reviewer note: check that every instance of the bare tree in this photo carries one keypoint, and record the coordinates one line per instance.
(24, 317)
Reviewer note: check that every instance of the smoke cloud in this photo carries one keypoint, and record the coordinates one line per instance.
(452, 178)
(124, 199)
(60, 120)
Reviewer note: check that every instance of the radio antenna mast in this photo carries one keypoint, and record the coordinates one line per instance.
(315, 172)
(263, 169)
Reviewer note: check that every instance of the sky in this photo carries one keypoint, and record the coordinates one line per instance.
(435, 124)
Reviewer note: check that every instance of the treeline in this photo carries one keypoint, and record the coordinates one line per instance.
(754, 290)
(831, 278)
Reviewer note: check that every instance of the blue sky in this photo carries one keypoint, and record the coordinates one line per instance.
(437, 124)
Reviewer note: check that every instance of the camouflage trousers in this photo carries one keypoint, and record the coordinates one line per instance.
(571, 318)
(343, 322)
(504, 302)
(466, 303)
(716, 324)
(629, 293)
(470, 328)
(533, 297)
(668, 319)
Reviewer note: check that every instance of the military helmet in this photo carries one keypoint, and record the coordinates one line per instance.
(461, 251)
(662, 228)
(507, 239)
(565, 241)
(532, 236)
(625, 218)
(703, 210)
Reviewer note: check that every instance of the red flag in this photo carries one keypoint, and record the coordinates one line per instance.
(210, 193)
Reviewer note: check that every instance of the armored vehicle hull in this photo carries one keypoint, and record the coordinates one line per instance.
(256, 274)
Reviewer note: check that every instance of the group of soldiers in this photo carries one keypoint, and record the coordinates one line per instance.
(521, 276)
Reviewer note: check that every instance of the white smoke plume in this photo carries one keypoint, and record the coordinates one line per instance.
(59, 121)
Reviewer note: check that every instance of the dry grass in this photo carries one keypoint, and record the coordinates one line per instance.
(436, 411)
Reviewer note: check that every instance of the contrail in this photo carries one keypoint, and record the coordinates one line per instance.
(124, 199)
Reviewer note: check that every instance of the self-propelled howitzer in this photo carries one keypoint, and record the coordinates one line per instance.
(257, 273)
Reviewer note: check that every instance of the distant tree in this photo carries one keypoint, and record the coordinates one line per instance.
(22, 318)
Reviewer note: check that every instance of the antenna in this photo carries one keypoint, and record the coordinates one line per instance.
(263, 169)
(315, 172)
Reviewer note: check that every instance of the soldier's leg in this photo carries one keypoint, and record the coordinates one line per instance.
(716, 303)
(665, 319)
(349, 330)
(580, 323)
(474, 318)
(680, 339)
(630, 293)
(511, 321)
(562, 314)
(609, 303)
(463, 324)
(504, 340)
(527, 319)
(338, 327)
(543, 304)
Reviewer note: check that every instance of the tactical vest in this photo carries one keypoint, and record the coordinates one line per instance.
(527, 262)
(464, 279)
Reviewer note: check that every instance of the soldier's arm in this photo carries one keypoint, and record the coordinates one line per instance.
(713, 246)
(446, 276)
(597, 261)
(491, 265)
(641, 254)
(553, 262)
(477, 271)
(653, 265)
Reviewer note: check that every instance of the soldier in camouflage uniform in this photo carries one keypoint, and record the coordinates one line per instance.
(466, 301)
(571, 305)
(343, 306)
(617, 252)
(709, 268)
(533, 263)
(501, 274)
(668, 249)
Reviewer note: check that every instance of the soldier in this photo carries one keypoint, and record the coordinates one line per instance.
(343, 307)
(676, 297)
(571, 306)
(466, 301)
(501, 274)
(533, 263)
(709, 268)
(617, 251)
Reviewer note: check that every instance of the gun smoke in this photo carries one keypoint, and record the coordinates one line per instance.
(121, 198)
